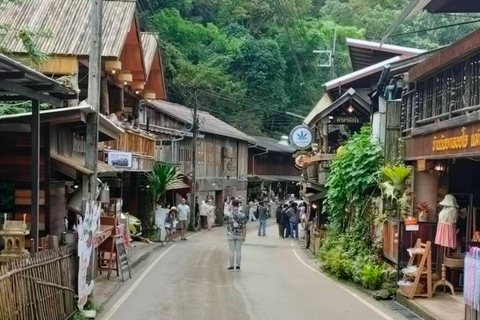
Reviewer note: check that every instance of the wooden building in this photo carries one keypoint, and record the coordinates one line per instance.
(222, 151)
(271, 169)
(131, 72)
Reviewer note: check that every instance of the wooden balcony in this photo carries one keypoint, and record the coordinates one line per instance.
(136, 142)
(450, 93)
(140, 144)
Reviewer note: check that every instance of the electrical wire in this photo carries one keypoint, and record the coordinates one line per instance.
(435, 28)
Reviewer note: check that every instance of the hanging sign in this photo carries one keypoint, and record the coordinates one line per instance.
(301, 137)
(86, 228)
(120, 159)
(411, 224)
(344, 120)
(301, 157)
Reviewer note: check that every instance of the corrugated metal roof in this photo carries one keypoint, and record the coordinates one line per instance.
(273, 145)
(359, 74)
(208, 123)
(67, 23)
(366, 53)
(149, 46)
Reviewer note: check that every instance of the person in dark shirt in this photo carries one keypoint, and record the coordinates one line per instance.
(262, 219)
(285, 221)
(278, 218)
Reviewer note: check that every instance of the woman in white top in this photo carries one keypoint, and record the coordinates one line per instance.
(211, 214)
(251, 211)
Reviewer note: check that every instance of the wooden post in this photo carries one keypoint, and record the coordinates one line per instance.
(393, 130)
(94, 76)
(35, 125)
(194, 162)
(105, 99)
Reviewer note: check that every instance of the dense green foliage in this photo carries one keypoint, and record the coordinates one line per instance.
(347, 251)
(352, 177)
(249, 61)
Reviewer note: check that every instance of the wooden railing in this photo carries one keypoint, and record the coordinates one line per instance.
(135, 142)
(446, 94)
(39, 287)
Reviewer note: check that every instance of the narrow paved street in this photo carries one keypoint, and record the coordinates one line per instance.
(189, 281)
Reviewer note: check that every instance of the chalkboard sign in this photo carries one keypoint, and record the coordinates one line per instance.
(122, 257)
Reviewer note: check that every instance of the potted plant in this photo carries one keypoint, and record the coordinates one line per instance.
(423, 210)
(157, 182)
(372, 276)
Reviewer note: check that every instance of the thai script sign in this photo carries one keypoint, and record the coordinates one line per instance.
(462, 141)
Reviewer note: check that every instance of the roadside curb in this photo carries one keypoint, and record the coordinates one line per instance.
(415, 308)
(142, 258)
(158, 246)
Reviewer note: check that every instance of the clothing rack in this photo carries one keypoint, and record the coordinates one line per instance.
(471, 291)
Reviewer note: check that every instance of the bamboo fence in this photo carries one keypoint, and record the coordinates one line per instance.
(39, 287)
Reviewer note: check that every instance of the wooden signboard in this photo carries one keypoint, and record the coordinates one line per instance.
(345, 120)
(122, 257)
(462, 141)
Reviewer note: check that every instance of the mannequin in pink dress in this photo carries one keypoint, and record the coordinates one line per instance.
(446, 234)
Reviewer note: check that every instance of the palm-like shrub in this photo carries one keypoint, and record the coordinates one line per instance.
(160, 179)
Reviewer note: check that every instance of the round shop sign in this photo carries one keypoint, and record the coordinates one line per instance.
(301, 158)
(301, 137)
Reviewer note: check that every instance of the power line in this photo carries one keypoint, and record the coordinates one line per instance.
(435, 28)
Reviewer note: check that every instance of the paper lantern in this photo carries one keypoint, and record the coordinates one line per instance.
(137, 86)
(125, 77)
(113, 66)
(149, 95)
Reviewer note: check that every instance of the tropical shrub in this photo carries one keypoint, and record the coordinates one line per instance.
(352, 178)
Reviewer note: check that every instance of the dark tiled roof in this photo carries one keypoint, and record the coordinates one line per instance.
(208, 123)
(273, 145)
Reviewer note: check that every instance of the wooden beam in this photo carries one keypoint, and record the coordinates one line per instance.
(14, 127)
(12, 75)
(35, 171)
(29, 93)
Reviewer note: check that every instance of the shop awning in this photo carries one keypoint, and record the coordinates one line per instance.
(314, 196)
(274, 178)
(70, 166)
(179, 185)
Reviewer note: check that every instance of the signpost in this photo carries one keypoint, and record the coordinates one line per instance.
(122, 257)
(120, 159)
(301, 137)
(301, 157)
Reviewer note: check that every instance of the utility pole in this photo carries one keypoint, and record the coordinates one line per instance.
(94, 77)
(332, 66)
(194, 163)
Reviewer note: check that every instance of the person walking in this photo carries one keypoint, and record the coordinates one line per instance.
(169, 225)
(183, 211)
(285, 221)
(236, 234)
(210, 214)
(278, 218)
(293, 218)
(262, 219)
(203, 215)
(251, 211)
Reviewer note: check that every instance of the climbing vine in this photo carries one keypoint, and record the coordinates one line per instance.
(352, 178)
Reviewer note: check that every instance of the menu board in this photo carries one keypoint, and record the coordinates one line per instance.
(122, 257)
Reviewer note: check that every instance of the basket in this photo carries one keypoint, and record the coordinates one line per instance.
(406, 289)
(455, 260)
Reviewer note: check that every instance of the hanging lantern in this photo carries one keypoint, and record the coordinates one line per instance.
(137, 86)
(113, 66)
(125, 77)
(149, 95)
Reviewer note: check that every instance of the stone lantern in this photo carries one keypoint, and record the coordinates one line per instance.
(14, 233)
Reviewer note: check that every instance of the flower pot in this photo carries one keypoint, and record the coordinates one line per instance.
(423, 216)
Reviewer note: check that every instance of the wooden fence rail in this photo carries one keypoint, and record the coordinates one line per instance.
(39, 287)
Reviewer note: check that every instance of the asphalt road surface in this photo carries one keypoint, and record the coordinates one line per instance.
(189, 281)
